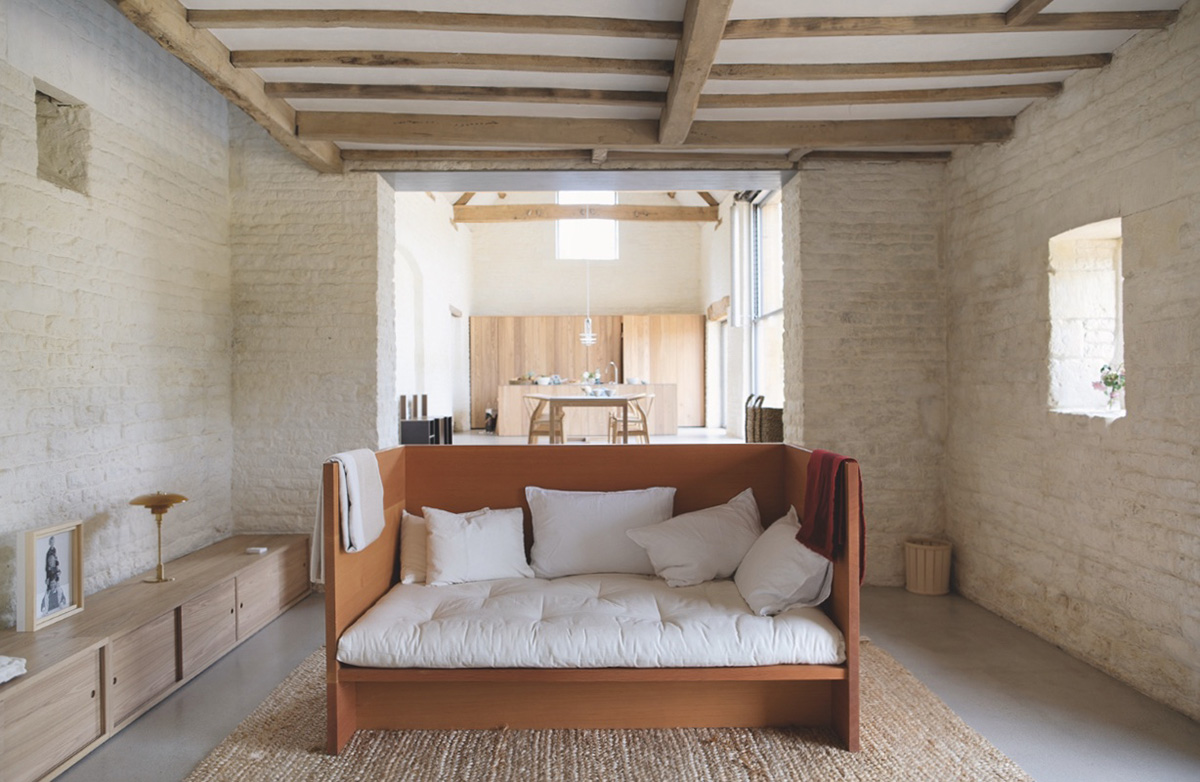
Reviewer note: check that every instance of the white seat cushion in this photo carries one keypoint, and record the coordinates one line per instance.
(590, 621)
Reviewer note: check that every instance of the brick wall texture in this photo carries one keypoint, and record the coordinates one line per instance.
(115, 320)
(1085, 532)
(865, 338)
(312, 326)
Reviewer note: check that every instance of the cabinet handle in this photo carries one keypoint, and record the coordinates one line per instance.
(93, 693)
(231, 610)
(114, 680)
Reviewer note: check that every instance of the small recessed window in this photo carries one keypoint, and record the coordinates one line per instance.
(62, 142)
(1087, 341)
(586, 238)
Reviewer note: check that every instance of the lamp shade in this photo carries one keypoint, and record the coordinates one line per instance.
(159, 502)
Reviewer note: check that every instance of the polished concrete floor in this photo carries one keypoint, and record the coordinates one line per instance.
(1060, 719)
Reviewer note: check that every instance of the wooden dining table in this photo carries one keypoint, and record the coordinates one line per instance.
(557, 402)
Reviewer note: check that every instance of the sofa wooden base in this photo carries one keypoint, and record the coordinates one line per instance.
(472, 705)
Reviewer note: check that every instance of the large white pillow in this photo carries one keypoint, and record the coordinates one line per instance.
(412, 548)
(577, 532)
(704, 544)
(477, 546)
(779, 572)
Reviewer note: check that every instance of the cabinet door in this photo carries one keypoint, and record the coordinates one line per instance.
(208, 627)
(45, 724)
(143, 666)
(669, 349)
(270, 586)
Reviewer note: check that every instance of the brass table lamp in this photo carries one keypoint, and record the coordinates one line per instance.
(158, 503)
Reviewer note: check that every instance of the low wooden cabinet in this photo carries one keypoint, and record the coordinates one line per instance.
(143, 666)
(207, 627)
(135, 643)
(266, 591)
(46, 726)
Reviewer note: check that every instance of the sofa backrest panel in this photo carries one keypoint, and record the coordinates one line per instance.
(463, 478)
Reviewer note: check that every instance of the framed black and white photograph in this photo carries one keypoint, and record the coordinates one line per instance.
(50, 576)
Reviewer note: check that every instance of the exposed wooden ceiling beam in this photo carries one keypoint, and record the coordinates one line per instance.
(1023, 11)
(262, 18)
(165, 21)
(898, 70)
(514, 213)
(703, 24)
(469, 155)
(476, 130)
(464, 199)
(441, 129)
(851, 133)
(948, 24)
(346, 58)
(886, 157)
(776, 100)
(554, 160)
(450, 92)
(708, 197)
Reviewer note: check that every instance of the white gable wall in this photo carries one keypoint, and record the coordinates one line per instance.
(515, 272)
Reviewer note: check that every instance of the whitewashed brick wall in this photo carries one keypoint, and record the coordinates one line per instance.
(115, 315)
(314, 334)
(865, 318)
(1085, 532)
(515, 271)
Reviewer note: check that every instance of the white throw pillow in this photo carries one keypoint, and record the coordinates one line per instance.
(577, 532)
(477, 546)
(779, 572)
(412, 548)
(704, 544)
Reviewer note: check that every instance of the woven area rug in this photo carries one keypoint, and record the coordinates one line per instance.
(907, 734)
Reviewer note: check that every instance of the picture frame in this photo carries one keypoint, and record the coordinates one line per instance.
(50, 576)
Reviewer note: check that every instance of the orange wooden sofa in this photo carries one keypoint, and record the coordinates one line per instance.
(463, 478)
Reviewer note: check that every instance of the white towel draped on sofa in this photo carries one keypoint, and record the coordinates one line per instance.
(361, 498)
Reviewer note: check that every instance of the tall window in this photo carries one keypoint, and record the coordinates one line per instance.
(1087, 341)
(766, 300)
(586, 239)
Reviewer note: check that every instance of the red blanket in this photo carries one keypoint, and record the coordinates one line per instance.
(824, 502)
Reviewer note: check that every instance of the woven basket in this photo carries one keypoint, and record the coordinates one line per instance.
(763, 424)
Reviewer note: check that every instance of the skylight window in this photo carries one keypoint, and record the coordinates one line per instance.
(587, 239)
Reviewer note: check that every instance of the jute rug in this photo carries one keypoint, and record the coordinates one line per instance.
(907, 734)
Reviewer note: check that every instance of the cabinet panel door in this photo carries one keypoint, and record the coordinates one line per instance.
(208, 627)
(144, 665)
(265, 589)
(669, 349)
(46, 724)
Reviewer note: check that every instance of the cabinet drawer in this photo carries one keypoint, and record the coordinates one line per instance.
(143, 665)
(265, 589)
(207, 627)
(47, 723)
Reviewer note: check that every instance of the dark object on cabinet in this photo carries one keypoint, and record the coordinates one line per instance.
(431, 431)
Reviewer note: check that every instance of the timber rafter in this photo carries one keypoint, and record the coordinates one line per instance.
(638, 93)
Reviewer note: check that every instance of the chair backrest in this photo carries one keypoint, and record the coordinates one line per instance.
(642, 407)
